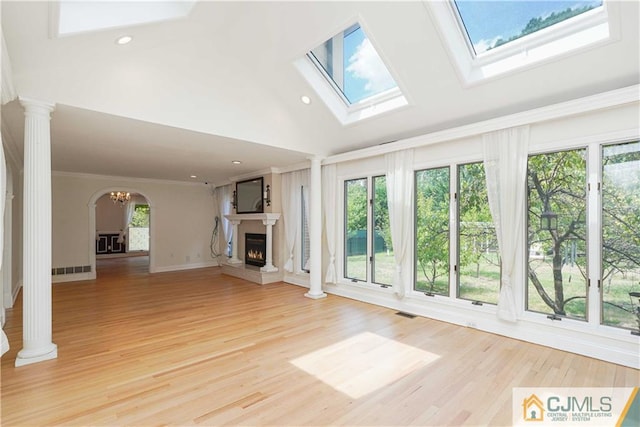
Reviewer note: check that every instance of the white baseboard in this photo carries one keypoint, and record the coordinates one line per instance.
(75, 277)
(297, 279)
(167, 268)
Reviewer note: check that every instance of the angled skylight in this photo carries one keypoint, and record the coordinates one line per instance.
(351, 77)
(490, 24)
(81, 16)
(488, 38)
(353, 65)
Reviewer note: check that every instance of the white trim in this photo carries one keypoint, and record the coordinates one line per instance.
(614, 98)
(75, 277)
(297, 279)
(180, 267)
(124, 178)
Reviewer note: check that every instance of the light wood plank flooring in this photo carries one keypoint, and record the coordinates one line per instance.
(200, 348)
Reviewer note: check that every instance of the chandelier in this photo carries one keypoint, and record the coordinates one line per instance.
(120, 197)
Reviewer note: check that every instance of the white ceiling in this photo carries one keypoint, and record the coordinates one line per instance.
(188, 96)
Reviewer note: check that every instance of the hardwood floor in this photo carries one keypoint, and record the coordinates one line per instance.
(200, 348)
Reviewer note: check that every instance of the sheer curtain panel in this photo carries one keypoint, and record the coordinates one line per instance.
(505, 163)
(329, 184)
(400, 202)
(291, 214)
(223, 197)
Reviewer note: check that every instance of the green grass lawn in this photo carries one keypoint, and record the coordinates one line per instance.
(482, 283)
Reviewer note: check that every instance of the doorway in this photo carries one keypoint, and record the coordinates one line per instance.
(120, 228)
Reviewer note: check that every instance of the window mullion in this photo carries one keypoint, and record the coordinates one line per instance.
(453, 232)
(594, 234)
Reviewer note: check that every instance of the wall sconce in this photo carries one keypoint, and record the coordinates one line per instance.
(549, 221)
(234, 200)
(267, 195)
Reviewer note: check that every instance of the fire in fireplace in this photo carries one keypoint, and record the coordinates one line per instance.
(255, 249)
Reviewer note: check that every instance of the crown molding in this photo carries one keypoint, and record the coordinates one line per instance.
(601, 101)
(123, 178)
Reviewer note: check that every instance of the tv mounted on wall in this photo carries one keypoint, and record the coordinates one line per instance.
(249, 196)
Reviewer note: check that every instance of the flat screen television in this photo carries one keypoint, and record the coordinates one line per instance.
(249, 196)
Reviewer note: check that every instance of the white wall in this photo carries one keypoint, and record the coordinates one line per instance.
(182, 219)
(606, 125)
(109, 216)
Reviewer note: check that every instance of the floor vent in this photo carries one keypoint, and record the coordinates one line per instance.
(56, 271)
(407, 315)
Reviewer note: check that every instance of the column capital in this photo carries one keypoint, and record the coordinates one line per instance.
(315, 159)
(36, 106)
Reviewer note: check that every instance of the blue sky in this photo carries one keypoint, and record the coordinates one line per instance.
(365, 74)
(487, 20)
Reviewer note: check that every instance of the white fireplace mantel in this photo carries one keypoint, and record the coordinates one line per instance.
(254, 217)
(269, 220)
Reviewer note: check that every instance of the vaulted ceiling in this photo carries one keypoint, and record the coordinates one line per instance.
(189, 95)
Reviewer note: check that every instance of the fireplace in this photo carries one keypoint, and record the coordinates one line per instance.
(255, 249)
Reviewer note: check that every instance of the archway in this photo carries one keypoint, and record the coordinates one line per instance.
(92, 224)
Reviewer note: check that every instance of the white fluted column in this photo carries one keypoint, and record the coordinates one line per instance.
(36, 289)
(234, 242)
(315, 231)
(268, 262)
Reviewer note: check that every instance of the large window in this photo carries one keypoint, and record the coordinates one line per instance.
(557, 262)
(383, 259)
(620, 287)
(356, 226)
(368, 236)
(432, 231)
(478, 258)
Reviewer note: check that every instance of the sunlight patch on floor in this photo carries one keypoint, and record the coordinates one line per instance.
(363, 363)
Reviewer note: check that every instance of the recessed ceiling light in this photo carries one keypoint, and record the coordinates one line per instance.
(305, 99)
(236, 162)
(193, 177)
(124, 39)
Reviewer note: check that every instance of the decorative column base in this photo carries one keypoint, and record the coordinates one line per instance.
(315, 296)
(269, 268)
(27, 357)
(233, 261)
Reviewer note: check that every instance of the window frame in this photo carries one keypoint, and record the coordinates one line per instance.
(586, 31)
(451, 276)
(326, 88)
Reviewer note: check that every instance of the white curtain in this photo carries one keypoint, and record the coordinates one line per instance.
(129, 210)
(223, 197)
(292, 183)
(305, 177)
(329, 184)
(4, 342)
(400, 201)
(505, 163)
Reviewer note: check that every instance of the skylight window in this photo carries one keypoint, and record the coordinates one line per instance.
(490, 24)
(486, 39)
(350, 76)
(353, 65)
